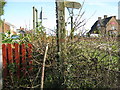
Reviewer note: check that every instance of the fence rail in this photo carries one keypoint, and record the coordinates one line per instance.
(17, 57)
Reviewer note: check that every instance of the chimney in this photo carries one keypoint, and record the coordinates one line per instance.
(105, 16)
(20, 28)
(114, 17)
(99, 18)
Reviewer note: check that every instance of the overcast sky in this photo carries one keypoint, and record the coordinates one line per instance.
(19, 12)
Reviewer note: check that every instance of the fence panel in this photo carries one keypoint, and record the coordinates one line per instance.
(17, 58)
(23, 56)
(10, 53)
(17, 55)
(4, 55)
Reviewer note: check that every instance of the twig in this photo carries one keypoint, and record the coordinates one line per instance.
(43, 68)
(36, 77)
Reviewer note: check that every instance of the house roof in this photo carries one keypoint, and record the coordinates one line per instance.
(102, 23)
(10, 24)
(22, 32)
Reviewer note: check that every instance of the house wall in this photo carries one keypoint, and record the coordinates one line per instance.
(4, 28)
(112, 23)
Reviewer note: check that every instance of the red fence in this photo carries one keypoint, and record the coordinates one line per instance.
(18, 57)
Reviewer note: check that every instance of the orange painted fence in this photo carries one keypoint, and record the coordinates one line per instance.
(17, 56)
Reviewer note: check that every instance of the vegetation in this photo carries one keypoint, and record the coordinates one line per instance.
(2, 4)
(9, 38)
(88, 63)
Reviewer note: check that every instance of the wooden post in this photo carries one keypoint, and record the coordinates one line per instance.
(36, 20)
(72, 29)
(41, 17)
(61, 34)
(33, 20)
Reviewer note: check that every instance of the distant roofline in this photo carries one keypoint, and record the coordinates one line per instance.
(94, 25)
(10, 24)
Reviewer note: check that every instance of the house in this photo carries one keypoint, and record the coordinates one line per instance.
(21, 31)
(12, 28)
(105, 26)
(6, 26)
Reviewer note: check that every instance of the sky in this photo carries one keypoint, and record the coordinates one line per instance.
(19, 12)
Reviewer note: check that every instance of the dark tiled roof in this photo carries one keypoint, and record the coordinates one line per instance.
(21, 31)
(102, 23)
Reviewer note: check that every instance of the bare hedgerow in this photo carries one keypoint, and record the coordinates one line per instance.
(89, 63)
(92, 63)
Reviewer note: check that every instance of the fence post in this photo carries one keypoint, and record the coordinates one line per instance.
(61, 35)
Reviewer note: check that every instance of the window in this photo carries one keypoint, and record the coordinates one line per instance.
(113, 28)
